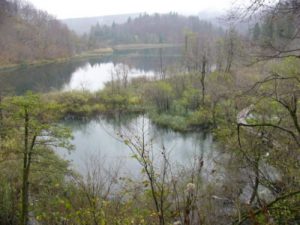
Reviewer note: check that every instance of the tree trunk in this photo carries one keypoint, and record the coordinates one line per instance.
(1, 124)
(187, 211)
(161, 65)
(256, 181)
(25, 184)
(229, 54)
(293, 114)
(203, 73)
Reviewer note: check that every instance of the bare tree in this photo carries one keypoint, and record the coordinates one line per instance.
(155, 168)
(97, 184)
(282, 15)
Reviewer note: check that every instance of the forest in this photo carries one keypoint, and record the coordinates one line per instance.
(242, 88)
(29, 34)
(165, 28)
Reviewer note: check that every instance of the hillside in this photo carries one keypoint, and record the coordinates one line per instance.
(155, 28)
(83, 25)
(28, 34)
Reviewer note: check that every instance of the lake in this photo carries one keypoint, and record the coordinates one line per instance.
(98, 137)
(88, 74)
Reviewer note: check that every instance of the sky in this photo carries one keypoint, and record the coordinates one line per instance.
(77, 8)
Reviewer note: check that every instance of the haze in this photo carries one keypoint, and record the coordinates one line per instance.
(88, 8)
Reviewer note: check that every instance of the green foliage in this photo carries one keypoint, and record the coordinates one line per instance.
(60, 197)
(160, 94)
(288, 67)
(32, 134)
(175, 122)
(78, 104)
(190, 99)
(201, 117)
(86, 105)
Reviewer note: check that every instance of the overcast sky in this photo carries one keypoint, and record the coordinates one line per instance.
(88, 8)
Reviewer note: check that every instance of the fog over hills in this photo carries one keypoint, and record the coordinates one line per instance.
(83, 25)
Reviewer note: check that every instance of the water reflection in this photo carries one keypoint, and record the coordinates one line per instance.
(99, 137)
(85, 73)
(94, 77)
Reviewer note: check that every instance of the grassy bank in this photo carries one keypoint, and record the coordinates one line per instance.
(86, 105)
(165, 105)
(82, 104)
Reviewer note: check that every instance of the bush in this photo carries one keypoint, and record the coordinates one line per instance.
(178, 123)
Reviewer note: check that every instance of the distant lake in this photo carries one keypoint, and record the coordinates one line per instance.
(88, 74)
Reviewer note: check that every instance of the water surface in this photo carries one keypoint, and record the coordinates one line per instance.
(88, 74)
(101, 137)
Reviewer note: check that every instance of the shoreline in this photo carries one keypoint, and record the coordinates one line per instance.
(83, 55)
(87, 54)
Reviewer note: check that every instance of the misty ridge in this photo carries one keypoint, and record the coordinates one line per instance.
(31, 31)
(36, 35)
(83, 25)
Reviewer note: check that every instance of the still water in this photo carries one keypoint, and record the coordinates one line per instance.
(98, 137)
(87, 77)
(88, 74)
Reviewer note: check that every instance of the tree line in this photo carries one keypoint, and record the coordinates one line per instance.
(156, 28)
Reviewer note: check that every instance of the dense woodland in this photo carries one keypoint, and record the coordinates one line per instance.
(166, 28)
(245, 90)
(28, 34)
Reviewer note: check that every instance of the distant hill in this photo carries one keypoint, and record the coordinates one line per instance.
(151, 29)
(83, 25)
(29, 34)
